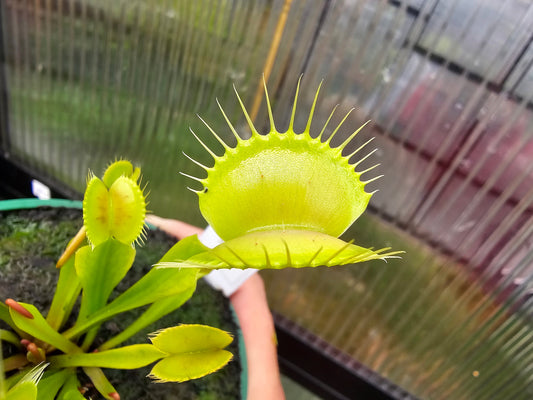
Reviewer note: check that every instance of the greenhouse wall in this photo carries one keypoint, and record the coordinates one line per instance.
(448, 88)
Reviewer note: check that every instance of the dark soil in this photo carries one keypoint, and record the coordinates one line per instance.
(30, 243)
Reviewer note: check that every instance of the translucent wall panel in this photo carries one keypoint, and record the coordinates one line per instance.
(455, 152)
(472, 33)
(93, 80)
(446, 84)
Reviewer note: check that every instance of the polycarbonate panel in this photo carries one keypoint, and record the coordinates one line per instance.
(446, 86)
(471, 33)
(520, 83)
(91, 81)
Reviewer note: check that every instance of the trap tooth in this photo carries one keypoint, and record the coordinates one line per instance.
(232, 128)
(218, 138)
(339, 126)
(341, 147)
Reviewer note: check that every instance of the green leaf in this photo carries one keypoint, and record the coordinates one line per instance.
(195, 351)
(185, 248)
(183, 367)
(116, 170)
(128, 210)
(14, 362)
(100, 381)
(70, 391)
(23, 391)
(39, 328)
(67, 291)
(282, 249)
(283, 180)
(155, 285)
(96, 210)
(156, 311)
(13, 379)
(190, 338)
(50, 384)
(2, 380)
(4, 314)
(6, 317)
(26, 388)
(128, 357)
(116, 212)
(100, 270)
(10, 337)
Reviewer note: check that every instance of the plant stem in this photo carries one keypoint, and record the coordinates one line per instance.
(67, 291)
(10, 337)
(128, 357)
(89, 338)
(100, 381)
(15, 362)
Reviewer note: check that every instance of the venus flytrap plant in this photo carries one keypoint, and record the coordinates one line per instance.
(282, 199)
(95, 261)
(278, 200)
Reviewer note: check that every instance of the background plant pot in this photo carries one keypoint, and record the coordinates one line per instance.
(33, 234)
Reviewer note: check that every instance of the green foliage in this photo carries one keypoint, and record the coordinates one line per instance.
(118, 169)
(281, 249)
(51, 383)
(186, 352)
(67, 290)
(37, 327)
(184, 249)
(100, 269)
(128, 357)
(23, 391)
(192, 352)
(26, 388)
(114, 209)
(69, 390)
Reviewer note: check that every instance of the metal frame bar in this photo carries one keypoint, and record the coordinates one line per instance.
(327, 372)
(456, 68)
(15, 182)
(4, 106)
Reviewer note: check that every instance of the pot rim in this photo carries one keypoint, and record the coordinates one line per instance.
(21, 204)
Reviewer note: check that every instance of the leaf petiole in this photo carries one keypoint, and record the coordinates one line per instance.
(67, 291)
(128, 357)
